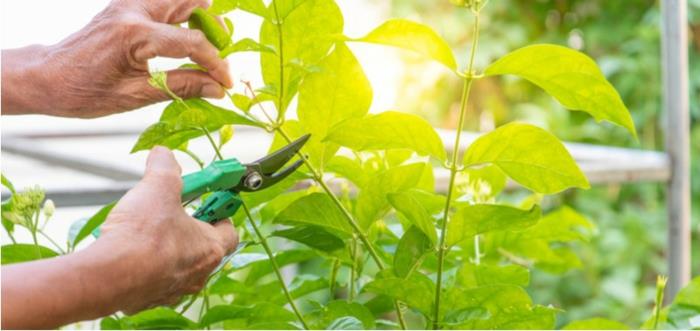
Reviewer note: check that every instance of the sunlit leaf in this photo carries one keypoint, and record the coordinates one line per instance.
(471, 275)
(595, 324)
(245, 45)
(408, 204)
(340, 90)
(326, 315)
(307, 30)
(529, 155)
(93, 224)
(410, 251)
(157, 318)
(389, 130)
(315, 209)
(412, 36)
(312, 236)
(417, 291)
(16, 253)
(571, 77)
(372, 202)
(470, 220)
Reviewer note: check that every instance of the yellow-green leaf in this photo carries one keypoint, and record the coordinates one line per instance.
(338, 91)
(569, 76)
(412, 36)
(595, 324)
(408, 203)
(529, 155)
(315, 209)
(307, 30)
(470, 220)
(389, 130)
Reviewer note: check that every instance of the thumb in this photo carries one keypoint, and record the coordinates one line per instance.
(163, 174)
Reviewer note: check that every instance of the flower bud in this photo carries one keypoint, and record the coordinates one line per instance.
(49, 208)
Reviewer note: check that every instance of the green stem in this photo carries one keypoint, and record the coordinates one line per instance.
(353, 257)
(41, 232)
(333, 278)
(442, 249)
(275, 267)
(278, 23)
(33, 230)
(213, 144)
(194, 157)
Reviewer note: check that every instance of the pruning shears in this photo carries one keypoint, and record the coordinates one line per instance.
(225, 179)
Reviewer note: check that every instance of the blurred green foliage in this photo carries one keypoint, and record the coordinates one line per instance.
(624, 258)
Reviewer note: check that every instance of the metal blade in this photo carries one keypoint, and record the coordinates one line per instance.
(264, 173)
(273, 162)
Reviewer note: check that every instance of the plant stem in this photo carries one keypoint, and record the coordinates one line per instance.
(442, 250)
(33, 230)
(353, 257)
(41, 232)
(275, 267)
(194, 157)
(213, 144)
(280, 93)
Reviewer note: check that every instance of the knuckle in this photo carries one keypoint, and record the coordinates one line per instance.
(196, 38)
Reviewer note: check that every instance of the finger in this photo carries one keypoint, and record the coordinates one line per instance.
(176, 11)
(162, 176)
(227, 234)
(169, 41)
(185, 83)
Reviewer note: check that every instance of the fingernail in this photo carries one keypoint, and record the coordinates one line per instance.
(160, 159)
(213, 91)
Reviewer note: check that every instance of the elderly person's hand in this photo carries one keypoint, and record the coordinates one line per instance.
(103, 68)
(150, 253)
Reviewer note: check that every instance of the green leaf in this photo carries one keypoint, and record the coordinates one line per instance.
(245, 45)
(256, 7)
(7, 183)
(389, 130)
(181, 122)
(262, 267)
(307, 30)
(416, 291)
(684, 312)
(529, 155)
(110, 323)
(410, 251)
(595, 324)
(339, 91)
(327, 315)
(509, 307)
(157, 318)
(470, 220)
(346, 323)
(260, 313)
(348, 169)
(74, 229)
(93, 223)
(569, 76)
(315, 209)
(408, 204)
(412, 36)
(190, 112)
(564, 224)
(16, 253)
(471, 275)
(220, 7)
(206, 22)
(312, 236)
(372, 202)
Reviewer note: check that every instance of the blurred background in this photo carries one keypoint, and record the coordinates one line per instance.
(622, 260)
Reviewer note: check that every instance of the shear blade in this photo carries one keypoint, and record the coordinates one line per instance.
(264, 173)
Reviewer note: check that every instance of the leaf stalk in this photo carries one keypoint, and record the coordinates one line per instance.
(469, 78)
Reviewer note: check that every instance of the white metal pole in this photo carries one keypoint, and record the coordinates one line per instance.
(676, 106)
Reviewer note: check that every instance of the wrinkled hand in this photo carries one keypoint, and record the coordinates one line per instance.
(103, 68)
(165, 252)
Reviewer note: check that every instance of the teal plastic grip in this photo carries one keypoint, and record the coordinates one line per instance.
(217, 206)
(218, 176)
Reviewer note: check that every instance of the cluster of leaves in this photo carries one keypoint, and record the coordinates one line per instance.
(383, 248)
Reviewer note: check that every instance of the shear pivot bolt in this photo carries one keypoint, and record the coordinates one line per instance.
(253, 181)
